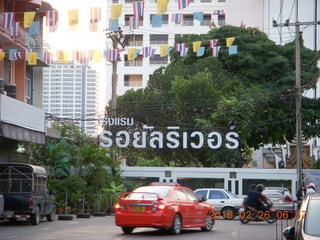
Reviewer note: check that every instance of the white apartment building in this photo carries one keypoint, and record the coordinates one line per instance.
(135, 74)
(71, 91)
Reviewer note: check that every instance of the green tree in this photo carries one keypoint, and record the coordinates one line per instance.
(252, 92)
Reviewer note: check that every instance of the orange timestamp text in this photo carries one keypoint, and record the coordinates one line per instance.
(278, 214)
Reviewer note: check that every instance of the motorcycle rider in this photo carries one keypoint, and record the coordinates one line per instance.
(255, 198)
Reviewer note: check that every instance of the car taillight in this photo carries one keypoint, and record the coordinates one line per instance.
(119, 206)
(242, 206)
(30, 202)
(161, 206)
(288, 199)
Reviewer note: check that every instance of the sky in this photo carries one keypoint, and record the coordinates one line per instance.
(79, 38)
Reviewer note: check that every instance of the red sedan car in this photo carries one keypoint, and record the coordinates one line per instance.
(163, 205)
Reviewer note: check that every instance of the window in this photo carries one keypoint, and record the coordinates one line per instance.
(205, 1)
(158, 39)
(187, 20)
(221, 20)
(191, 195)
(312, 218)
(221, 0)
(216, 194)
(202, 193)
(7, 71)
(135, 40)
(157, 60)
(28, 88)
(127, 17)
(165, 18)
(206, 20)
(180, 195)
(135, 63)
(133, 80)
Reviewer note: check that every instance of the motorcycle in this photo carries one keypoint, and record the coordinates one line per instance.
(249, 213)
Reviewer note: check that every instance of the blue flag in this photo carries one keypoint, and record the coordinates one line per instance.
(198, 16)
(114, 25)
(233, 50)
(138, 50)
(156, 21)
(200, 51)
(35, 28)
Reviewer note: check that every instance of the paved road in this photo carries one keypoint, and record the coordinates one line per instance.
(103, 228)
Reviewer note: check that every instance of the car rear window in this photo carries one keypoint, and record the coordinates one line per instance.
(142, 193)
(312, 218)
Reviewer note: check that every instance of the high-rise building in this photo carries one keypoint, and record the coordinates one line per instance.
(71, 93)
(135, 74)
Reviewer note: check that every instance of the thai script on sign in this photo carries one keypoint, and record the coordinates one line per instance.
(173, 139)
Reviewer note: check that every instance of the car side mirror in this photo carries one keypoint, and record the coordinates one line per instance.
(203, 199)
(289, 233)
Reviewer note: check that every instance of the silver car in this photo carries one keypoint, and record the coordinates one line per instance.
(280, 197)
(222, 200)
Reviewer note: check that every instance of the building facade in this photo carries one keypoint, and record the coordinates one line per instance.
(135, 74)
(71, 93)
(22, 119)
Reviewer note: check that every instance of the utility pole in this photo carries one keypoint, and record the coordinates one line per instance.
(298, 37)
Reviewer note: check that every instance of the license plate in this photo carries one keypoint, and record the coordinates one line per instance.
(137, 209)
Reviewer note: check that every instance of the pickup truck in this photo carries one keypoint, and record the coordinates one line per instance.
(25, 193)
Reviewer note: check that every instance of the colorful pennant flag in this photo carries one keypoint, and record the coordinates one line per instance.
(132, 54)
(138, 52)
(14, 55)
(200, 51)
(114, 25)
(176, 18)
(28, 19)
(229, 41)
(156, 21)
(113, 55)
(218, 12)
(2, 55)
(73, 16)
(196, 45)
(79, 57)
(180, 46)
(52, 18)
(215, 51)
(162, 6)
(14, 30)
(153, 52)
(198, 16)
(133, 22)
(184, 52)
(164, 50)
(213, 42)
(95, 18)
(183, 4)
(47, 58)
(62, 56)
(7, 20)
(146, 52)
(35, 28)
(116, 11)
(233, 50)
(138, 9)
(32, 58)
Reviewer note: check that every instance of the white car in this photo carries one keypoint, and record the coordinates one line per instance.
(222, 200)
(281, 198)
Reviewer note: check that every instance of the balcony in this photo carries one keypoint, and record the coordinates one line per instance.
(133, 63)
(187, 23)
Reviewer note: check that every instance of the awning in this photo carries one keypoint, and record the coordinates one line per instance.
(22, 134)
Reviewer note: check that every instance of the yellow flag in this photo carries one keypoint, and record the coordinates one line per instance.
(73, 16)
(28, 18)
(132, 52)
(164, 50)
(229, 41)
(32, 58)
(162, 6)
(2, 54)
(196, 45)
(63, 57)
(116, 11)
(97, 56)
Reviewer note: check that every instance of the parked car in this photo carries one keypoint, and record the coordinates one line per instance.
(306, 223)
(281, 198)
(222, 200)
(25, 193)
(167, 206)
